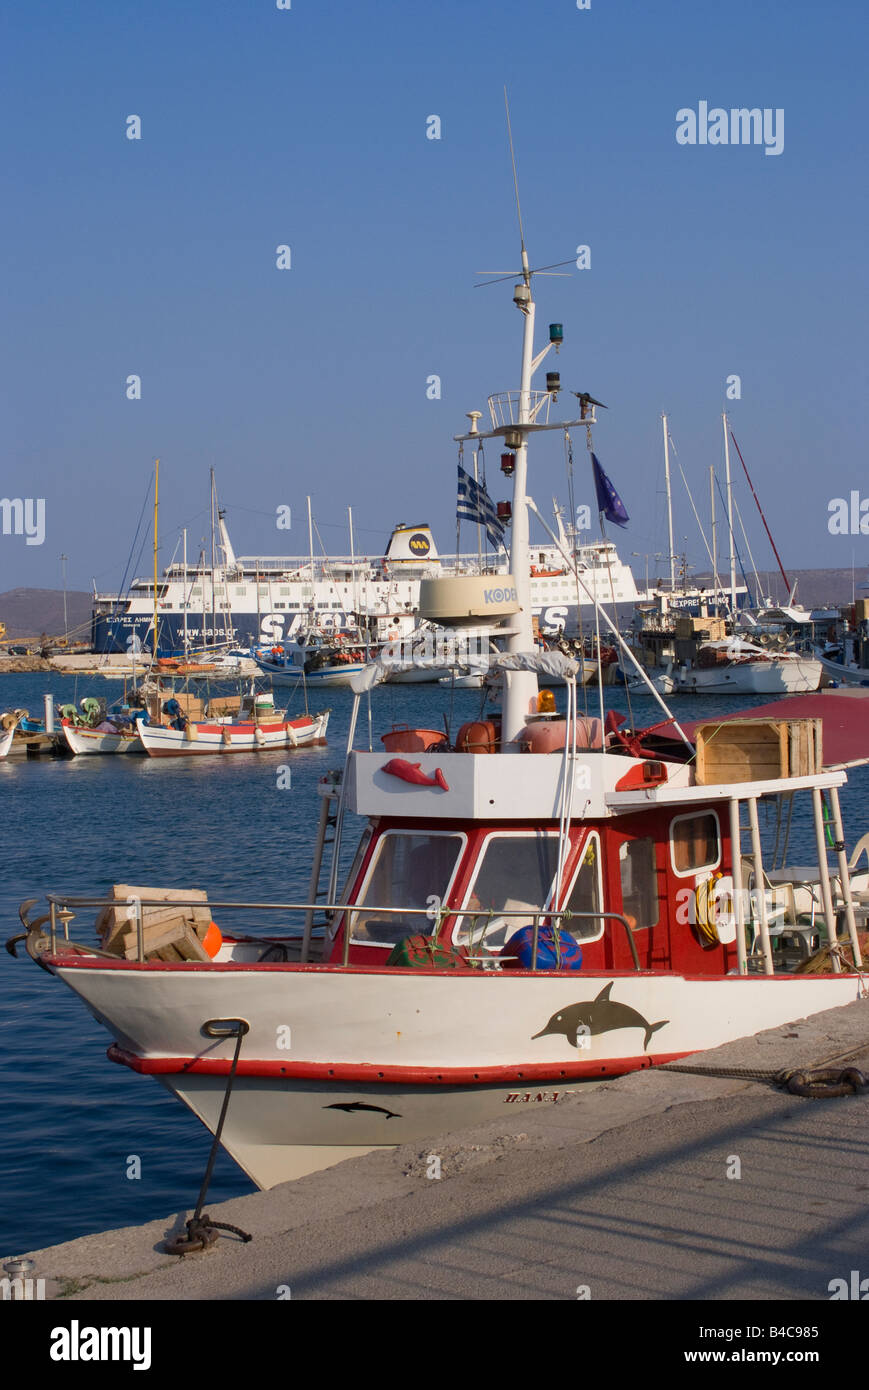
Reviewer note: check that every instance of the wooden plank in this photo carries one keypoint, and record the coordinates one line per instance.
(155, 943)
(189, 947)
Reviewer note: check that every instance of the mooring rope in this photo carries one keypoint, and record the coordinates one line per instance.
(819, 1081)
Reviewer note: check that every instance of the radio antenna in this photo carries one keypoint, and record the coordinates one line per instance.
(526, 272)
(516, 189)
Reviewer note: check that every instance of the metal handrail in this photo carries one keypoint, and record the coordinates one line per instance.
(64, 903)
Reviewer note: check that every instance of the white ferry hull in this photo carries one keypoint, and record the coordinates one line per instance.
(435, 1050)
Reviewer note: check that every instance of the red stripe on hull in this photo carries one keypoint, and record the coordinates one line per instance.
(86, 962)
(354, 1072)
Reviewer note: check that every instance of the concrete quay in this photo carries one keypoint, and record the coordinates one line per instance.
(660, 1185)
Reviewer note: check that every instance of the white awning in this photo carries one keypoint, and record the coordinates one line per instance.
(547, 663)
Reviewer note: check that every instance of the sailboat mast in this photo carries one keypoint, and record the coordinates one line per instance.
(311, 553)
(353, 567)
(156, 506)
(669, 504)
(729, 515)
(186, 598)
(714, 534)
(213, 572)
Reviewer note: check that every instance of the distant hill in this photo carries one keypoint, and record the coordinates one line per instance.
(815, 588)
(30, 612)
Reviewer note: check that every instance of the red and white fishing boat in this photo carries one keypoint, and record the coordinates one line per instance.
(258, 732)
(199, 738)
(545, 902)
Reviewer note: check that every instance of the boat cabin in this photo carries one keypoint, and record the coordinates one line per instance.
(638, 860)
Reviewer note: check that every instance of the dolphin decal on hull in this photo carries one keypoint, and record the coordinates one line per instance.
(598, 1015)
(351, 1107)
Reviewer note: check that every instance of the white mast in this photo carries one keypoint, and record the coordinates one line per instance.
(353, 568)
(729, 516)
(714, 535)
(473, 416)
(669, 504)
(520, 691)
(213, 573)
(520, 687)
(311, 552)
(186, 596)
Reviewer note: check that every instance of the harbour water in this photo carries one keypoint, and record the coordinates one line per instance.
(72, 1124)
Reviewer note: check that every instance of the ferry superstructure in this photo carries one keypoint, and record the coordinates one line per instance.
(255, 600)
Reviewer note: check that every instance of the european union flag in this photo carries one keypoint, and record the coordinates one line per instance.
(609, 504)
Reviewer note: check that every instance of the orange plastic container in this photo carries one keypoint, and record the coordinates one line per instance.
(402, 739)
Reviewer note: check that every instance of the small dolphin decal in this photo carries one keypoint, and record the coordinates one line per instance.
(598, 1015)
(352, 1106)
(412, 772)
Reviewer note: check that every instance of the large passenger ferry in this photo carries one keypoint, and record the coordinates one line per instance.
(252, 600)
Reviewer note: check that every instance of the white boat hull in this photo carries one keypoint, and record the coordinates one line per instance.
(776, 677)
(469, 682)
(6, 741)
(96, 741)
(435, 1050)
(202, 739)
(329, 676)
(845, 675)
(418, 675)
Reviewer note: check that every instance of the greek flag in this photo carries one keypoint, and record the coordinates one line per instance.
(475, 504)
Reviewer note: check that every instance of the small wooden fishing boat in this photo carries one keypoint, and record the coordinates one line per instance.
(7, 734)
(108, 737)
(232, 724)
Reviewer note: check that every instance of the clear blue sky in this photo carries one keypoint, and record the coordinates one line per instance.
(307, 127)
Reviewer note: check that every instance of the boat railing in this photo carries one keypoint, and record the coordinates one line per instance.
(62, 909)
(505, 408)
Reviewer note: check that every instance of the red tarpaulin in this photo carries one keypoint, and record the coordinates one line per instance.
(845, 713)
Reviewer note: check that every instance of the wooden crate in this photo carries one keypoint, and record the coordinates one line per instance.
(223, 704)
(115, 924)
(170, 941)
(757, 750)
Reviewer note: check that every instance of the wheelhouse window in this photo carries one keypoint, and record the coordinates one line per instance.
(352, 875)
(408, 871)
(639, 881)
(695, 843)
(585, 895)
(514, 873)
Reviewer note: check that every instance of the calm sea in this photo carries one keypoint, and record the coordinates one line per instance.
(70, 1121)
